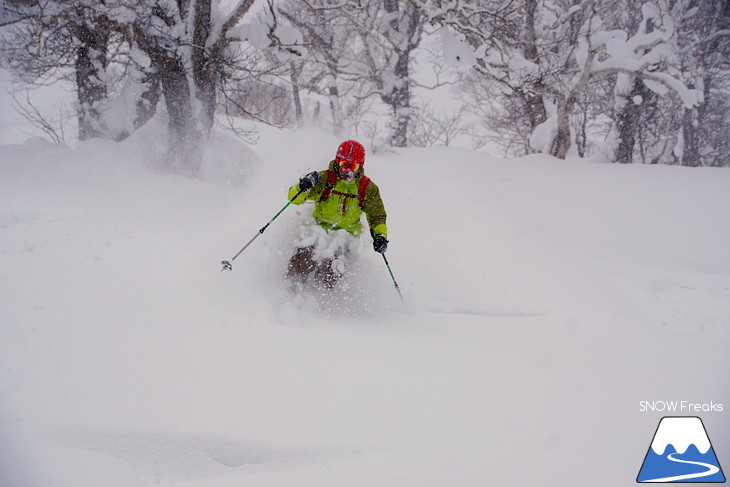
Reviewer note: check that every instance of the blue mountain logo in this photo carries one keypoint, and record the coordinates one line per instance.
(681, 452)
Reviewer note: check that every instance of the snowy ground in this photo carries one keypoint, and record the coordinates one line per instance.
(544, 300)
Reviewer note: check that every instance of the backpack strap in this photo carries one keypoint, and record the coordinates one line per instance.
(331, 181)
(362, 193)
(330, 184)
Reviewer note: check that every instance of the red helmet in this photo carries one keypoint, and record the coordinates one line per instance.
(350, 151)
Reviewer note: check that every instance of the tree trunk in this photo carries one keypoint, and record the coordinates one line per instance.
(581, 136)
(147, 104)
(185, 139)
(205, 66)
(334, 101)
(535, 108)
(691, 152)
(400, 102)
(91, 89)
(399, 96)
(205, 94)
(561, 142)
(533, 101)
(692, 122)
(627, 122)
(298, 112)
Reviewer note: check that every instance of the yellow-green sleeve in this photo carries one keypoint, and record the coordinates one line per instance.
(375, 211)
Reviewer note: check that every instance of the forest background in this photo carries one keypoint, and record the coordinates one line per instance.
(621, 81)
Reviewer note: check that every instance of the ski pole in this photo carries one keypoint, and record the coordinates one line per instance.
(391, 276)
(227, 264)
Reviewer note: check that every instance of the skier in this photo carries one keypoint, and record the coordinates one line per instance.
(341, 194)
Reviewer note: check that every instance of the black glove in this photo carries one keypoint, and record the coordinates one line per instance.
(380, 244)
(307, 182)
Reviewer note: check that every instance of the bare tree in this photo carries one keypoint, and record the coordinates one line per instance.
(704, 47)
(429, 128)
(324, 26)
(48, 38)
(390, 32)
(552, 50)
(188, 63)
(507, 92)
(186, 52)
(52, 127)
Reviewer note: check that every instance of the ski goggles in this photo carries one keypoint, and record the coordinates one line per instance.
(349, 165)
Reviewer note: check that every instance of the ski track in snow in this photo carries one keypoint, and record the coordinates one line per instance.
(484, 312)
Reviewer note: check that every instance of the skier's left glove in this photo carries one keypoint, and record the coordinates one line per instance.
(380, 244)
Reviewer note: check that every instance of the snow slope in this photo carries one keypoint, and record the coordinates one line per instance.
(544, 300)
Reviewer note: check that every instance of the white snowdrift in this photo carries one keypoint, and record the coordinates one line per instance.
(544, 300)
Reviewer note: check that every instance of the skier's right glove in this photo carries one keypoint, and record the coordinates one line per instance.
(307, 182)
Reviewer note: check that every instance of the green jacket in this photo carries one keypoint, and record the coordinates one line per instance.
(330, 214)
